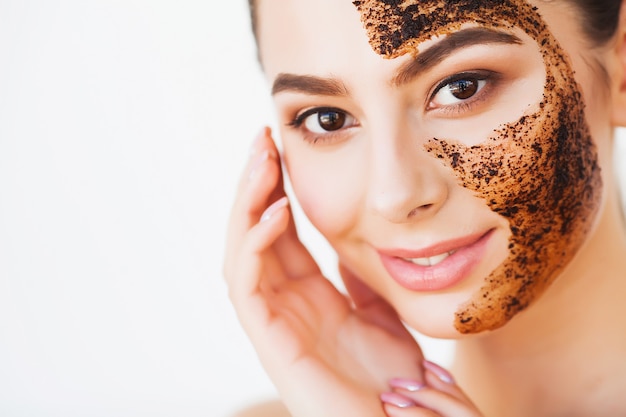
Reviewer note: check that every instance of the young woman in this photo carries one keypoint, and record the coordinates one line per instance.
(458, 158)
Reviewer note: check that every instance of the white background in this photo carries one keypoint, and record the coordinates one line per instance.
(123, 127)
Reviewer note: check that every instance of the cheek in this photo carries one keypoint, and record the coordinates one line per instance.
(542, 175)
(328, 187)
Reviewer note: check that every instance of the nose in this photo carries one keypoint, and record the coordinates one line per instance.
(406, 183)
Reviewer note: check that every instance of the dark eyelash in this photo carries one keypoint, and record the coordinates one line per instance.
(480, 75)
(468, 105)
(300, 118)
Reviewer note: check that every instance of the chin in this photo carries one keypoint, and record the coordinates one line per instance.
(436, 324)
(444, 330)
(434, 314)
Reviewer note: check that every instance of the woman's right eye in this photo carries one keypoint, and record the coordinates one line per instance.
(326, 121)
(323, 121)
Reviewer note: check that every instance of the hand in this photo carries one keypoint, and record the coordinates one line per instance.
(439, 397)
(326, 354)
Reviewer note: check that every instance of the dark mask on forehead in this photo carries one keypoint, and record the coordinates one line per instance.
(541, 172)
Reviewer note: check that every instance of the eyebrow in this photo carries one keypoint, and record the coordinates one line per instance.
(309, 84)
(447, 46)
(321, 86)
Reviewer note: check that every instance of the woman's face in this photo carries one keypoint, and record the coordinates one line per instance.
(445, 152)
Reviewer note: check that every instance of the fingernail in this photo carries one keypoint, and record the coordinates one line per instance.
(441, 373)
(259, 137)
(406, 384)
(257, 162)
(271, 210)
(397, 400)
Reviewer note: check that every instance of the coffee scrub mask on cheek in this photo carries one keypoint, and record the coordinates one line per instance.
(540, 172)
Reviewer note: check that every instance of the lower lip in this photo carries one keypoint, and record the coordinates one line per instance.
(452, 270)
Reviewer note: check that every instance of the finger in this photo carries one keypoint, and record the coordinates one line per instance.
(361, 294)
(441, 404)
(259, 180)
(261, 143)
(255, 256)
(370, 305)
(399, 405)
(442, 380)
(441, 394)
(258, 183)
(296, 258)
(262, 185)
(254, 290)
(393, 411)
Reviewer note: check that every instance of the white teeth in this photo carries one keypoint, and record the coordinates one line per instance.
(431, 261)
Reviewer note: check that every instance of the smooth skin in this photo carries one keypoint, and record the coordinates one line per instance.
(332, 354)
(337, 354)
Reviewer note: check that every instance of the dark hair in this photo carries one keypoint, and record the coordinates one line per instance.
(253, 19)
(599, 18)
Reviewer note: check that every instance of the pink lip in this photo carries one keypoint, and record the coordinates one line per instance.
(468, 252)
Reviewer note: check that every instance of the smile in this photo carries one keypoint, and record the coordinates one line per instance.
(430, 261)
(438, 266)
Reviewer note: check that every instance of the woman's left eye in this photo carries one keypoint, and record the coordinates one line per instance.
(462, 88)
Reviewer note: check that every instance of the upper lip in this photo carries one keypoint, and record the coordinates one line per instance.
(438, 248)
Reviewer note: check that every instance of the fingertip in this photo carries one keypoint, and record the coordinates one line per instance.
(263, 140)
(272, 223)
(435, 382)
(274, 209)
(441, 379)
(406, 384)
(414, 410)
(441, 373)
(262, 183)
(396, 400)
(392, 410)
(264, 133)
(257, 162)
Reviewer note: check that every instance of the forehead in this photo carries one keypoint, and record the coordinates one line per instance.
(292, 32)
(302, 36)
(396, 27)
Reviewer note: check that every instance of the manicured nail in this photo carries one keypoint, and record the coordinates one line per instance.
(397, 400)
(406, 384)
(257, 162)
(271, 210)
(441, 373)
(259, 137)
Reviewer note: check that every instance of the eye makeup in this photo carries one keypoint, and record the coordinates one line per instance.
(323, 125)
(540, 172)
(301, 118)
(463, 91)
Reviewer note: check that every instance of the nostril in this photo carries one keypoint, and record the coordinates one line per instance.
(420, 209)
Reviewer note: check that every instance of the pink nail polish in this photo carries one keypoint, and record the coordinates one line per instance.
(271, 210)
(259, 137)
(262, 133)
(406, 384)
(441, 373)
(257, 162)
(397, 400)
